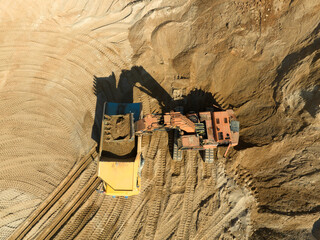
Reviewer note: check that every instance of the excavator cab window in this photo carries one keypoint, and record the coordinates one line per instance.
(234, 126)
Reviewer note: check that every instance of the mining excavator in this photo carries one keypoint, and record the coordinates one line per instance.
(122, 127)
(194, 131)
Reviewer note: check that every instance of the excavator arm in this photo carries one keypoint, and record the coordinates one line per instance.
(172, 120)
(177, 120)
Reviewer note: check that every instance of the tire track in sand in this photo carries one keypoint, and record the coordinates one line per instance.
(187, 209)
(155, 202)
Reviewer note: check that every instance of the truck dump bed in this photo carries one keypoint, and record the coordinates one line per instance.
(119, 150)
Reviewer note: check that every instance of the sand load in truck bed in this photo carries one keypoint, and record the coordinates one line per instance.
(117, 135)
(121, 126)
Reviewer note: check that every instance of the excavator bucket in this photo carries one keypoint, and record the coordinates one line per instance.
(120, 152)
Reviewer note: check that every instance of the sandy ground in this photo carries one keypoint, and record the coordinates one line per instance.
(260, 58)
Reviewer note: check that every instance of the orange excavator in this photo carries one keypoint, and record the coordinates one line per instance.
(194, 131)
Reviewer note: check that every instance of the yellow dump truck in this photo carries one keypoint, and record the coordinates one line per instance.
(120, 161)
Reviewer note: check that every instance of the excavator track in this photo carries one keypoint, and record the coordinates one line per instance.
(135, 212)
(118, 226)
(212, 221)
(224, 214)
(152, 217)
(145, 142)
(244, 178)
(177, 153)
(170, 217)
(134, 230)
(170, 227)
(176, 168)
(206, 170)
(150, 155)
(154, 145)
(82, 216)
(209, 155)
(132, 208)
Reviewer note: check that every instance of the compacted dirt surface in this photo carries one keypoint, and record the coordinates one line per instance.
(61, 59)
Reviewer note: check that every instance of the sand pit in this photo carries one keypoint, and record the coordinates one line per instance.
(260, 58)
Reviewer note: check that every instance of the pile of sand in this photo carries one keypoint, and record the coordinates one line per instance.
(118, 140)
(119, 127)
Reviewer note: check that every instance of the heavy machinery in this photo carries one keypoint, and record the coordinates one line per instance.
(122, 127)
(120, 160)
(194, 131)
